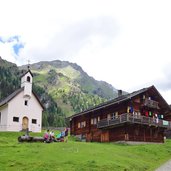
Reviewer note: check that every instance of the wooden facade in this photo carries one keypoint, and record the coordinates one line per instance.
(139, 116)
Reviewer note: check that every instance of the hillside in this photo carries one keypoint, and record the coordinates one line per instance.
(71, 87)
(8, 80)
(63, 88)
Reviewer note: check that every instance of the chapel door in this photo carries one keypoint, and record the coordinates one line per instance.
(25, 123)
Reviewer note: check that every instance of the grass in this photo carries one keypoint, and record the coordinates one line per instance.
(79, 156)
(70, 72)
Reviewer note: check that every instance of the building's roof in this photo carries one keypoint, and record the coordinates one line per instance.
(27, 72)
(15, 93)
(10, 97)
(38, 100)
(120, 99)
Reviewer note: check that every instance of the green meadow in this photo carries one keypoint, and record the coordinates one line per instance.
(79, 156)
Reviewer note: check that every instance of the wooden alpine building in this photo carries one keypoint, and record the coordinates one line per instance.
(140, 116)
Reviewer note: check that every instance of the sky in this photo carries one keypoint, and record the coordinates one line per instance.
(125, 43)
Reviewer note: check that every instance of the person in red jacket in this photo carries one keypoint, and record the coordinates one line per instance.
(46, 136)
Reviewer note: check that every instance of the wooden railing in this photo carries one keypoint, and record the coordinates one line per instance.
(151, 103)
(130, 118)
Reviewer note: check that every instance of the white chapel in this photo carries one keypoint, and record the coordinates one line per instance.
(22, 109)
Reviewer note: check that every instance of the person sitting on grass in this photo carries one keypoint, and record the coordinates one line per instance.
(46, 136)
(62, 135)
(66, 135)
(52, 136)
(58, 137)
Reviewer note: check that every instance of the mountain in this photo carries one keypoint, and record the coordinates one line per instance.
(69, 86)
(8, 80)
(63, 88)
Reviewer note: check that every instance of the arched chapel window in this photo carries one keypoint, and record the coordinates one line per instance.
(28, 78)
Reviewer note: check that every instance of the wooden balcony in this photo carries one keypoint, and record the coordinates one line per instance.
(132, 119)
(151, 103)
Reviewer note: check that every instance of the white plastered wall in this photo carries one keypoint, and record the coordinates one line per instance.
(27, 85)
(17, 108)
(4, 115)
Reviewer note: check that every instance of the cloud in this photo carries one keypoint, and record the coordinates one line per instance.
(76, 36)
(69, 41)
(164, 83)
(10, 47)
(126, 43)
(17, 47)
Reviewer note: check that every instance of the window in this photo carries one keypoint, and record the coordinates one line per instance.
(28, 78)
(116, 114)
(113, 116)
(94, 121)
(143, 96)
(108, 117)
(26, 102)
(34, 121)
(15, 119)
(82, 124)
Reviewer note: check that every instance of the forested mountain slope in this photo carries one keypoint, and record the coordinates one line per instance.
(70, 86)
(63, 88)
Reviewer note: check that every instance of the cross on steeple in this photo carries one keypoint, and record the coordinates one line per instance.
(28, 64)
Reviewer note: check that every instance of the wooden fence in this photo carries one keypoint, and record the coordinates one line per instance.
(130, 118)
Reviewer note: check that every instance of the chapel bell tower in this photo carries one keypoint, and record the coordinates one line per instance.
(26, 82)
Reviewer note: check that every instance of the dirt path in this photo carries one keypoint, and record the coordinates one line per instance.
(165, 167)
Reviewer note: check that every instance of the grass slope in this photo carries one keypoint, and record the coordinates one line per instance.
(61, 85)
(75, 156)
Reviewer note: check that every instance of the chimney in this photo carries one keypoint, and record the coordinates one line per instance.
(119, 93)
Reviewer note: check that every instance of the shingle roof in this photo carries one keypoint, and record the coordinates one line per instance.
(26, 73)
(10, 97)
(118, 100)
(38, 100)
